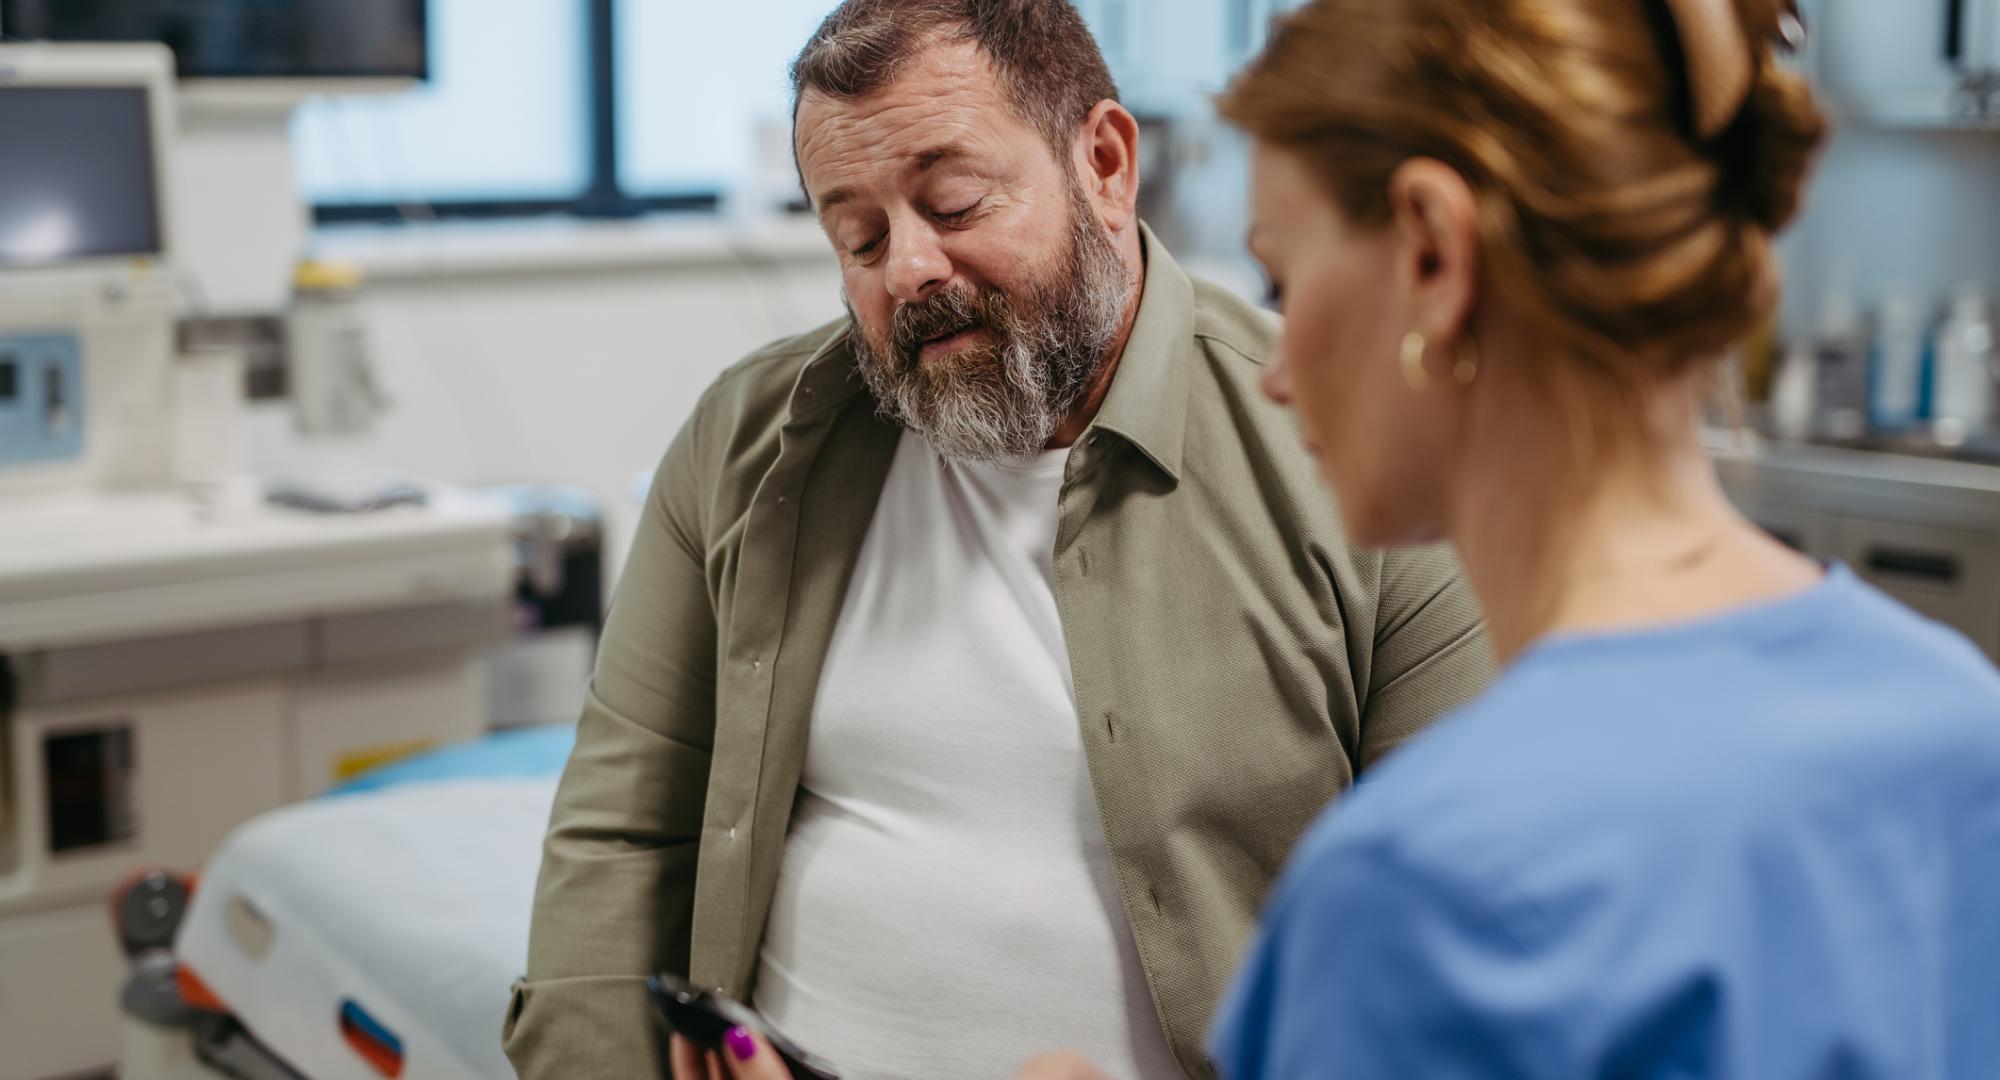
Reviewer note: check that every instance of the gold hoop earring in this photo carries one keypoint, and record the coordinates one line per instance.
(1466, 368)
(1414, 347)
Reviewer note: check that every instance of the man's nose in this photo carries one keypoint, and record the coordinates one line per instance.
(918, 265)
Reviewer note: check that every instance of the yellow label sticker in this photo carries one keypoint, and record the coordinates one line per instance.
(354, 763)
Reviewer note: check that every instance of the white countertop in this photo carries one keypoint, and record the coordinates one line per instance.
(454, 249)
(87, 567)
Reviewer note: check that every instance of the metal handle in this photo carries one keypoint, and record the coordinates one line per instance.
(1932, 567)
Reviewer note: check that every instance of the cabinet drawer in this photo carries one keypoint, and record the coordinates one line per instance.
(1948, 575)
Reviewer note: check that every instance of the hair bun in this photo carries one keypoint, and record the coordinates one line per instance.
(1716, 59)
(1768, 151)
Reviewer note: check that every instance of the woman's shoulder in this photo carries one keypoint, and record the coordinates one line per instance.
(1603, 759)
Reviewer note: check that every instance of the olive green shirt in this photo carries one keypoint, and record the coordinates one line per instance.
(1235, 665)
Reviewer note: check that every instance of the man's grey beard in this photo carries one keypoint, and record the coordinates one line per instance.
(1004, 400)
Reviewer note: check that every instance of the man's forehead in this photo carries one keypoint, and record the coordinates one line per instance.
(946, 105)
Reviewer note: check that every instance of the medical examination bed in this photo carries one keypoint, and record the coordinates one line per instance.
(373, 932)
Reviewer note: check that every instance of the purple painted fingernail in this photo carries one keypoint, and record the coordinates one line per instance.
(741, 1045)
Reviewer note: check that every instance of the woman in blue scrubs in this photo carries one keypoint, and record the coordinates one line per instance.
(1726, 813)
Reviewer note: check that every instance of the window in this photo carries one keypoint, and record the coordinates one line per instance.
(1170, 56)
(612, 107)
(705, 93)
(505, 117)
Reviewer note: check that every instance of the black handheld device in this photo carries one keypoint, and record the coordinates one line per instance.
(703, 1017)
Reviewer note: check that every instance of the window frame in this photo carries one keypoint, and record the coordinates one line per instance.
(602, 196)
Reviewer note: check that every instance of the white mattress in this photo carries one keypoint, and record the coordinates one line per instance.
(411, 902)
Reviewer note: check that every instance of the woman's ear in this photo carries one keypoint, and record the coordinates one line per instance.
(1436, 221)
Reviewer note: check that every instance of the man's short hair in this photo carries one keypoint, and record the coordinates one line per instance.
(1048, 62)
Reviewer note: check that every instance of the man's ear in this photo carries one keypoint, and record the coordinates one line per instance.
(1107, 163)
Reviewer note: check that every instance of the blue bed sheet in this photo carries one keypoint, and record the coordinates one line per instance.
(522, 754)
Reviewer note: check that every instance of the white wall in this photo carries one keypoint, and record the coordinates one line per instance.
(1916, 211)
(569, 375)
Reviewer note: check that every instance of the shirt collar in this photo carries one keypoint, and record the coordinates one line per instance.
(1147, 403)
(829, 378)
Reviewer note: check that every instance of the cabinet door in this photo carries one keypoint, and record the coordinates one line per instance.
(107, 784)
(1893, 62)
(59, 977)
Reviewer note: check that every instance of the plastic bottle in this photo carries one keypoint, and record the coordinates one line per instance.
(333, 385)
(1965, 348)
(1840, 362)
(1896, 366)
(1792, 395)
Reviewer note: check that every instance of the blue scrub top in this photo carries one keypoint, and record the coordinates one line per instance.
(1762, 846)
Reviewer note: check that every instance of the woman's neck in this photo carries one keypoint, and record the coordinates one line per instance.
(1636, 538)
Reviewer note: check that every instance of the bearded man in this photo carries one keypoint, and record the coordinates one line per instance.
(980, 656)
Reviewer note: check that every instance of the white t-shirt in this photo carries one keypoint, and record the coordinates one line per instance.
(947, 907)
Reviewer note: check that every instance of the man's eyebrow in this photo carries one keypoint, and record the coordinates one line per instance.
(834, 198)
(937, 154)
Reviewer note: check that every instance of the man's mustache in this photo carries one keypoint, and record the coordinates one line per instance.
(942, 315)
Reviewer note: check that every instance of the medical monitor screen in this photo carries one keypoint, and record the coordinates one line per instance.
(306, 39)
(76, 178)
